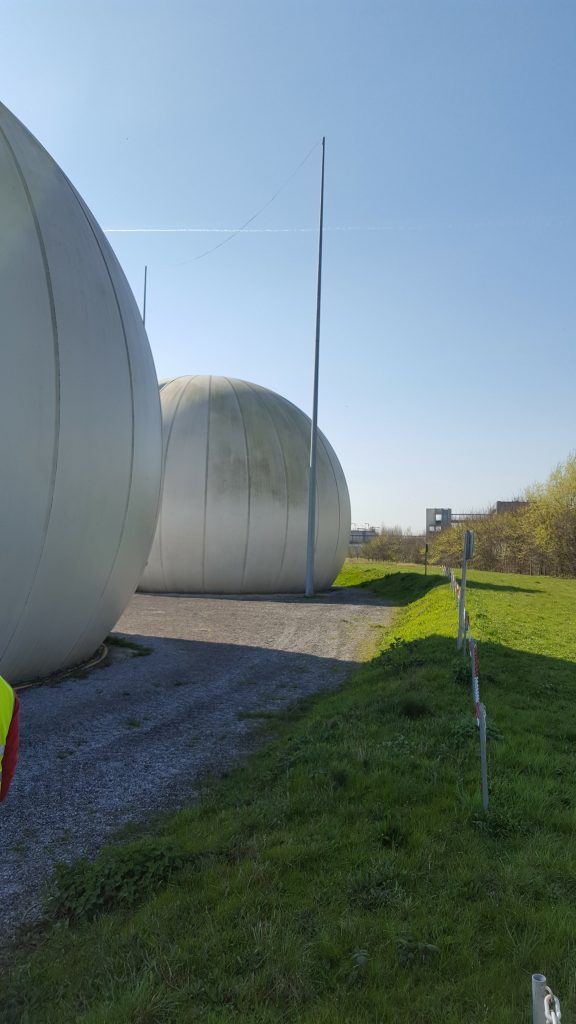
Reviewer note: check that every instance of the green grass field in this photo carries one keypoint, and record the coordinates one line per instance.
(347, 872)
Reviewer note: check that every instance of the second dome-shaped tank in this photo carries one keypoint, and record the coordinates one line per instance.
(234, 511)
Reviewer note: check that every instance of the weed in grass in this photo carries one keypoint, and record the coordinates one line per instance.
(138, 650)
(393, 835)
(306, 921)
(411, 707)
(493, 733)
(461, 672)
(411, 951)
(339, 777)
(360, 958)
(369, 887)
(361, 755)
(375, 887)
(398, 747)
(461, 733)
(400, 656)
(120, 877)
(133, 723)
(523, 943)
(498, 824)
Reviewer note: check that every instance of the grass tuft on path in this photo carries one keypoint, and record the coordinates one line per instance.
(346, 872)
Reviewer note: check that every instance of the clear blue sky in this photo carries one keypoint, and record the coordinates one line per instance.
(449, 307)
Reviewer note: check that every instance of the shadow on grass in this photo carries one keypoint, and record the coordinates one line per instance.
(404, 587)
(505, 587)
(401, 588)
(498, 663)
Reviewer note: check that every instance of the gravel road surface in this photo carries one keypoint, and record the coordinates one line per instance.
(137, 735)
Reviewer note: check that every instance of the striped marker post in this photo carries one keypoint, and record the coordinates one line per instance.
(465, 638)
(466, 555)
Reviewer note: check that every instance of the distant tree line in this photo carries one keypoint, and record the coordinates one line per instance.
(393, 544)
(539, 537)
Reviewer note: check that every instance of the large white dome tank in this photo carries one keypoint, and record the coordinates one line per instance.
(80, 427)
(234, 511)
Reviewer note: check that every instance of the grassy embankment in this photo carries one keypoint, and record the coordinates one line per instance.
(346, 873)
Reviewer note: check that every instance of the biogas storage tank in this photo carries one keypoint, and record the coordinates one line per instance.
(234, 511)
(80, 428)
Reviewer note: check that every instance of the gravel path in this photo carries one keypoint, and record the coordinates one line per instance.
(137, 735)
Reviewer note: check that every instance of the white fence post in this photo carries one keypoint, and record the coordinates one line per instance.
(545, 1005)
(538, 997)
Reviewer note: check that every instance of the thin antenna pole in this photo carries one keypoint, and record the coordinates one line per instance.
(314, 430)
(144, 303)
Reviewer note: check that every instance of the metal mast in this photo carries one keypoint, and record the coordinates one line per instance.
(314, 431)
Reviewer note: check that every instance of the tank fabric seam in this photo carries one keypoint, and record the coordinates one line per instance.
(56, 350)
(206, 486)
(88, 218)
(261, 394)
(234, 392)
(164, 464)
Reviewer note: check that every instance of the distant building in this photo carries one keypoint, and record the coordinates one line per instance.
(360, 535)
(469, 517)
(438, 519)
(509, 506)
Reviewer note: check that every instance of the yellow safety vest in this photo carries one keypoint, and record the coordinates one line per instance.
(6, 712)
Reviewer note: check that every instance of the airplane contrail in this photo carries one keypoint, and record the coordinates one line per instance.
(258, 231)
(485, 222)
(200, 231)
